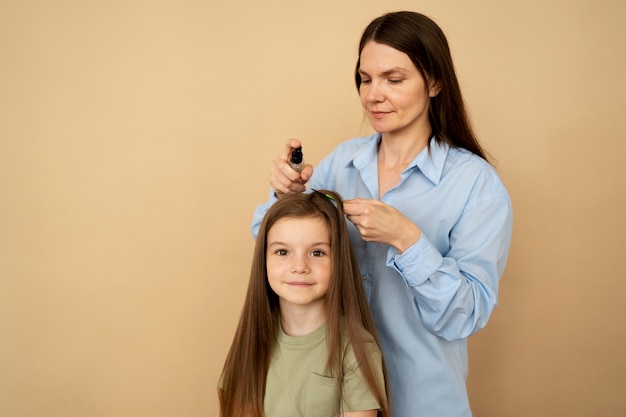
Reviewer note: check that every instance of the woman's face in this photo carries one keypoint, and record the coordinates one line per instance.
(393, 92)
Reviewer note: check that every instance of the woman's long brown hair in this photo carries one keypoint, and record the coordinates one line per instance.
(247, 363)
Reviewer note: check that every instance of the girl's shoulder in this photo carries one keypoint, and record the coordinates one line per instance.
(366, 337)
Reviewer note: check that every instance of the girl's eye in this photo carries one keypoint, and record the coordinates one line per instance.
(318, 253)
(281, 252)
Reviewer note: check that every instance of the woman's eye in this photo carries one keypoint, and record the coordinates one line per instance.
(395, 81)
(365, 81)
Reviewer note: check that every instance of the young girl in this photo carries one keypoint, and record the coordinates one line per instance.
(306, 343)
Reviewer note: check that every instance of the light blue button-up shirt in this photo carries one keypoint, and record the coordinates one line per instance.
(429, 299)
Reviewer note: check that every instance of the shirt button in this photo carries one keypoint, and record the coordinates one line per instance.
(365, 277)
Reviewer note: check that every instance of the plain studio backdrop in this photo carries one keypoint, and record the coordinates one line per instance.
(135, 142)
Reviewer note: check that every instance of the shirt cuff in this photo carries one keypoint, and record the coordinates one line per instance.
(416, 264)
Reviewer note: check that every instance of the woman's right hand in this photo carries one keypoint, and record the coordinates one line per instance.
(283, 178)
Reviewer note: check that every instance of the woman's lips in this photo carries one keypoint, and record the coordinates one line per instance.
(379, 114)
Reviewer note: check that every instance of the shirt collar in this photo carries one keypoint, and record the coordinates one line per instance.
(366, 154)
(430, 161)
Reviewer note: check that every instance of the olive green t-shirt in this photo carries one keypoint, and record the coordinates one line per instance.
(298, 384)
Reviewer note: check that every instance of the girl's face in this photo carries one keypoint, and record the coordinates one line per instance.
(393, 92)
(299, 261)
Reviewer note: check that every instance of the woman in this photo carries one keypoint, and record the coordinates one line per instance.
(430, 219)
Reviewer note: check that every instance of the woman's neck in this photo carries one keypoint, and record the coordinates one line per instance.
(399, 150)
(395, 153)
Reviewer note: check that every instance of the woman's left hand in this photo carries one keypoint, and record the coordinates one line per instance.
(381, 223)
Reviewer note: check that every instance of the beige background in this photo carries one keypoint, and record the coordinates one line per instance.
(135, 142)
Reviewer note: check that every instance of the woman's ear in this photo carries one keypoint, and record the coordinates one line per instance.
(433, 88)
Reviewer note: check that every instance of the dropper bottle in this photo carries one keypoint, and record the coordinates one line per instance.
(297, 159)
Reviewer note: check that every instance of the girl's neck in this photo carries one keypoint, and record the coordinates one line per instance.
(300, 322)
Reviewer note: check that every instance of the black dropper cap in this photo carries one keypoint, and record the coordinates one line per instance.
(296, 155)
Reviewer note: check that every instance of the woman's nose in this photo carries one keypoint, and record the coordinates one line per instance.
(374, 92)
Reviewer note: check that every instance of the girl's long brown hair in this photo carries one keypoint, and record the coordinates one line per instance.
(247, 363)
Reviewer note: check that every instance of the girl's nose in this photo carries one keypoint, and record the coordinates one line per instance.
(300, 266)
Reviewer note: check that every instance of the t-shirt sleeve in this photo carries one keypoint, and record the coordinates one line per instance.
(356, 393)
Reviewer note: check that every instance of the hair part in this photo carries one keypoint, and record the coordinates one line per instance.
(424, 42)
